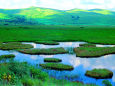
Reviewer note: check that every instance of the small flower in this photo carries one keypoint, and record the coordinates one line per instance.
(9, 77)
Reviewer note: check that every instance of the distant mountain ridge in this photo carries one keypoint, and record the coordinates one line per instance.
(45, 16)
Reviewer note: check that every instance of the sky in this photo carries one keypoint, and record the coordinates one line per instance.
(59, 4)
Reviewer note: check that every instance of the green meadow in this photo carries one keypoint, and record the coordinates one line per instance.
(23, 74)
(92, 34)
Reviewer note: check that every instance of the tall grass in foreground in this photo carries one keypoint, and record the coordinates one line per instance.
(21, 74)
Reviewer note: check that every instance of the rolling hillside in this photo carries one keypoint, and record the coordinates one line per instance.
(45, 16)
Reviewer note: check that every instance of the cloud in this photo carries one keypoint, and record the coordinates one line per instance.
(59, 4)
(15, 4)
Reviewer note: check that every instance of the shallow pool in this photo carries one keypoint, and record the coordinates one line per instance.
(80, 64)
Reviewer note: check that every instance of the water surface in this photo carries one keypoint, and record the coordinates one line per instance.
(80, 64)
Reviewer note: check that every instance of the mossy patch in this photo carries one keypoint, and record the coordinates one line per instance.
(87, 45)
(93, 51)
(14, 45)
(47, 42)
(52, 60)
(49, 51)
(7, 56)
(56, 66)
(99, 73)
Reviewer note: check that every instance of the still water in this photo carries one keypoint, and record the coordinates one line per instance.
(80, 64)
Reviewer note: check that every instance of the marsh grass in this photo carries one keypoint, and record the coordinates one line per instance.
(7, 56)
(14, 45)
(52, 60)
(57, 66)
(70, 50)
(49, 51)
(58, 33)
(87, 45)
(93, 51)
(99, 73)
(22, 74)
(47, 42)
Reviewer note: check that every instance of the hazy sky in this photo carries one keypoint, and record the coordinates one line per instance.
(59, 4)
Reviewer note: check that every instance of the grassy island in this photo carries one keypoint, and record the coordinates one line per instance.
(52, 60)
(47, 42)
(56, 66)
(100, 73)
(49, 51)
(14, 45)
(87, 45)
(93, 51)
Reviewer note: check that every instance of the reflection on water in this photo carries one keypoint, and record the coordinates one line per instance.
(61, 44)
(98, 45)
(80, 64)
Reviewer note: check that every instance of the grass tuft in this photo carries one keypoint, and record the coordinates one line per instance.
(99, 73)
(52, 60)
(87, 45)
(47, 42)
(56, 66)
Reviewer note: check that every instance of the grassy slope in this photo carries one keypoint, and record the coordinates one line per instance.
(58, 33)
(96, 17)
(57, 17)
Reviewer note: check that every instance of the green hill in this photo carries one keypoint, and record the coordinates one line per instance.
(45, 16)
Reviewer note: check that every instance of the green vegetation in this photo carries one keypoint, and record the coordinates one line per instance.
(14, 45)
(52, 60)
(100, 11)
(6, 56)
(14, 72)
(94, 51)
(22, 74)
(99, 73)
(87, 45)
(35, 12)
(103, 11)
(45, 16)
(107, 83)
(4, 16)
(47, 42)
(56, 66)
(92, 34)
(49, 51)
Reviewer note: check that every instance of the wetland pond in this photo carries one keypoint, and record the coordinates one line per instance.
(81, 65)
